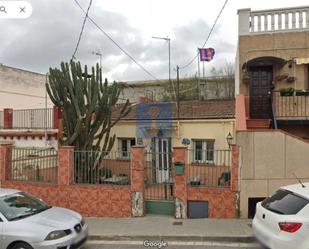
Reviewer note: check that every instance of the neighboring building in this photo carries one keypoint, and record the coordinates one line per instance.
(221, 87)
(22, 89)
(272, 103)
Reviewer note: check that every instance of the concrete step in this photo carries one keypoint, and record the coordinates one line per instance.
(258, 123)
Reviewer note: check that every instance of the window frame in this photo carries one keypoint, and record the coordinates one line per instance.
(125, 154)
(205, 156)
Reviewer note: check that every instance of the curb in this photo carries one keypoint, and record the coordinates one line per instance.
(183, 238)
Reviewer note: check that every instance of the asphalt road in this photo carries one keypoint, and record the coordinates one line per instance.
(122, 246)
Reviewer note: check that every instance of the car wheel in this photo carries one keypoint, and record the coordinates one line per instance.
(21, 245)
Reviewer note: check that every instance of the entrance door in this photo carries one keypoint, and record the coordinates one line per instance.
(260, 89)
(162, 160)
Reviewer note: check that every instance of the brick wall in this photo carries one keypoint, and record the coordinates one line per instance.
(89, 200)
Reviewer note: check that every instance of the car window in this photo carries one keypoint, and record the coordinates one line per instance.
(285, 202)
(20, 205)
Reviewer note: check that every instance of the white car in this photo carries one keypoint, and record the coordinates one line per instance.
(281, 221)
(28, 223)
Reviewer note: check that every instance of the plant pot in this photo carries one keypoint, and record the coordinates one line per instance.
(179, 168)
(302, 93)
(285, 94)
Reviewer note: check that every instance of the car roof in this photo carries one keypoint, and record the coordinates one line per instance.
(8, 191)
(299, 189)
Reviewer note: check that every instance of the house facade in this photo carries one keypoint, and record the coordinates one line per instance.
(272, 103)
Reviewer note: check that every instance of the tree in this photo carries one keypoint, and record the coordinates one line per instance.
(86, 104)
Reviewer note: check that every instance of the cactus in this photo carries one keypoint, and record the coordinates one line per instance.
(86, 104)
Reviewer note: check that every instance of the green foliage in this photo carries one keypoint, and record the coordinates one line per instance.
(86, 105)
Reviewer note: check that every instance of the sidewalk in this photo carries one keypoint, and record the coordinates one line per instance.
(162, 227)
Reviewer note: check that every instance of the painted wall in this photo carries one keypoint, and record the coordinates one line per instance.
(268, 161)
(191, 129)
(285, 45)
(21, 89)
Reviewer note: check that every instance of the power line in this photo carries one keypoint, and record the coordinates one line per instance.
(209, 34)
(82, 30)
(111, 39)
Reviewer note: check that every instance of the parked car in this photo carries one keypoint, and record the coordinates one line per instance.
(28, 223)
(281, 221)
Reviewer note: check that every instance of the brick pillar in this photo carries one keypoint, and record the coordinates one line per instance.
(8, 118)
(5, 161)
(138, 164)
(57, 117)
(180, 182)
(65, 165)
(235, 168)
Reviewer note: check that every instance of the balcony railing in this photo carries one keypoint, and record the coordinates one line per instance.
(33, 119)
(291, 105)
(273, 20)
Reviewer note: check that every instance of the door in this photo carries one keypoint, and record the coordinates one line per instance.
(162, 148)
(260, 89)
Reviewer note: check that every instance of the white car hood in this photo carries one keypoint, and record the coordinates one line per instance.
(55, 217)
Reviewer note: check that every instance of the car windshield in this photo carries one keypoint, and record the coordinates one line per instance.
(20, 205)
(284, 202)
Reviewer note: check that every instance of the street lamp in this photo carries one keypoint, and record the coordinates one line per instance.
(98, 53)
(169, 53)
(229, 139)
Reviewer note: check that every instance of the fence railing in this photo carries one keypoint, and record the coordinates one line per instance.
(101, 167)
(1, 119)
(159, 176)
(291, 105)
(33, 119)
(211, 168)
(34, 165)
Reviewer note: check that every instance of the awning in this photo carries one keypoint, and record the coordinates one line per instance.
(300, 61)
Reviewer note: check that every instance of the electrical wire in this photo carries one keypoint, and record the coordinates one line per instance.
(82, 30)
(209, 34)
(113, 41)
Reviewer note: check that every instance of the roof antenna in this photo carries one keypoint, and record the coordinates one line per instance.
(299, 180)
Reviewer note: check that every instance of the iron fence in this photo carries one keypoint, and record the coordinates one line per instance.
(211, 168)
(101, 167)
(34, 165)
(1, 120)
(159, 176)
(33, 119)
(291, 104)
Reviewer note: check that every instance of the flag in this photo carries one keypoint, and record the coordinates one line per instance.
(206, 54)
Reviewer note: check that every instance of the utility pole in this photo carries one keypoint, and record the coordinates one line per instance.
(178, 107)
(45, 115)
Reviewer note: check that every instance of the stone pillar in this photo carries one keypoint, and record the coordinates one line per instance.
(138, 164)
(8, 118)
(65, 165)
(243, 21)
(5, 161)
(180, 154)
(56, 117)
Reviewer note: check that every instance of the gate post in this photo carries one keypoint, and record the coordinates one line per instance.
(65, 165)
(138, 181)
(5, 162)
(180, 182)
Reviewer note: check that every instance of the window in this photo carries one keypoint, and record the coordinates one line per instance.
(203, 151)
(124, 147)
(285, 202)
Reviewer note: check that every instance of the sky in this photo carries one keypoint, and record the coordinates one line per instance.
(50, 35)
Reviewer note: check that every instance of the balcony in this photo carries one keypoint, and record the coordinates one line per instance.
(291, 105)
(273, 20)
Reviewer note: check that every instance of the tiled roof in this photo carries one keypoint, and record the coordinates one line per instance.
(206, 109)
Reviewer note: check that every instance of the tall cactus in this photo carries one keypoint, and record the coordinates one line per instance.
(86, 103)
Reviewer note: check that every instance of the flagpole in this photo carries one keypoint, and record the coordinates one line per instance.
(198, 74)
(203, 69)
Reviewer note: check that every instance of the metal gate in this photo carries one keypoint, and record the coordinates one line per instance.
(159, 185)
